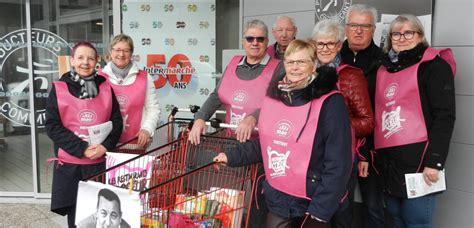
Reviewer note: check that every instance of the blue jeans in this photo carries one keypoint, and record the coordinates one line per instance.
(411, 213)
(372, 200)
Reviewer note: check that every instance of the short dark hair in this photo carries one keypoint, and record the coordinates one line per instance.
(110, 196)
(83, 44)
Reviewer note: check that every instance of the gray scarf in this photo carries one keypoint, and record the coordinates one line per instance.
(121, 72)
(88, 85)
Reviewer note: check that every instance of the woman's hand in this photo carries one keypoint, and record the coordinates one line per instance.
(199, 127)
(95, 151)
(220, 158)
(430, 175)
(143, 138)
(363, 168)
(245, 128)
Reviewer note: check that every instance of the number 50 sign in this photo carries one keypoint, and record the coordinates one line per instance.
(178, 65)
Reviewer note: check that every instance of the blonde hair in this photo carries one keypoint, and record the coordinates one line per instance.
(120, 38)
(298, 45)
(403, 19)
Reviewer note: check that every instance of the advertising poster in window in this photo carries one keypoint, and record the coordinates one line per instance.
(175, 44)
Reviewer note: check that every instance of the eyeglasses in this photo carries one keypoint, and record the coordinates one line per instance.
(298, 63)
(251, 39)
(118, 50)
(408, 35)
(363, 27)
(329, 45)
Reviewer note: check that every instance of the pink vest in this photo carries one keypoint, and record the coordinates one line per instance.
(131, 99)
(242, 97)
(78, 114)
(399, 116)
(286, 146)
(271, 51)
(354, 141)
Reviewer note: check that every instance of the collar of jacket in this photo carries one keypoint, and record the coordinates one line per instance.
(364, 59)
(405, 58)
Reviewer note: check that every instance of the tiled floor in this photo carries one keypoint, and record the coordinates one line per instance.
(28, 213)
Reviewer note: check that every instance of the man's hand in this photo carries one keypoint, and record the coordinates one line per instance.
(430, 175)
(245, 128)
(143, 138)
(363, 168)
(199, 127)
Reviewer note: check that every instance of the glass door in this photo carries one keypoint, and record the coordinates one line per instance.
(15, 135)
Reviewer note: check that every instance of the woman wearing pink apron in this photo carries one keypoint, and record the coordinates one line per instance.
(135, 93)
(79, 99)
(414, 118)
(328, 36)
(305, 145)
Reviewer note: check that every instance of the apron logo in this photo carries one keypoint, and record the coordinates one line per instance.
(277, 162)
(391, 122)
(239, 97)
(391, 91)
(87, 116)
(283, 128)
(235, 119)
(122, 99)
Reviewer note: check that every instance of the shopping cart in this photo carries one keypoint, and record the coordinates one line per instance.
(185, 189)
(165, 133)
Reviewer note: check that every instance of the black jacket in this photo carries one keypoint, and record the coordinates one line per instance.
(330, 161)
(369, 61)
(436, 87)
(67, 176)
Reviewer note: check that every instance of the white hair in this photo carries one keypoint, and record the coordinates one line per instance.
(363, 9)
(328, 28)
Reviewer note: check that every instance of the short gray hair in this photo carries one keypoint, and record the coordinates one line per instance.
(400, 20)
(328, 28)
(256, 24)
(292, 21)
(362, 9)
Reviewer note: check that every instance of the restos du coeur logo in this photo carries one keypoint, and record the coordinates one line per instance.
(86, 116)
(240, 97)
(15, 96)
(391, 91)
(283, 128)
(331, 9)
(122, 99)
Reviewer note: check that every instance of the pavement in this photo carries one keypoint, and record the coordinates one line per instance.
(28, 213)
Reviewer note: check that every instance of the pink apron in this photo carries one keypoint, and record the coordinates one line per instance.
(132, 100)
(78, 114)
(242, 97)
(286, 141)
(399, 117)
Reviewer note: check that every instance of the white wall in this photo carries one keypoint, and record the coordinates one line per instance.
(453, 24)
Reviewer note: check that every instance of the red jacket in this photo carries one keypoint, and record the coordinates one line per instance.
(353, 86)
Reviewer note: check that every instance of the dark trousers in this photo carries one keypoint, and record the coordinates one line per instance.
(258, 216)
(372, 197)
(71, 216)
(343, 216)
(274, 221)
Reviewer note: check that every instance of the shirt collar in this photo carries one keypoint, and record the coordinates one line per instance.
(264, 61)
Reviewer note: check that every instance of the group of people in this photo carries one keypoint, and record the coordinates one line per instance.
(120, 93)
(331, 111)
(343, 111)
